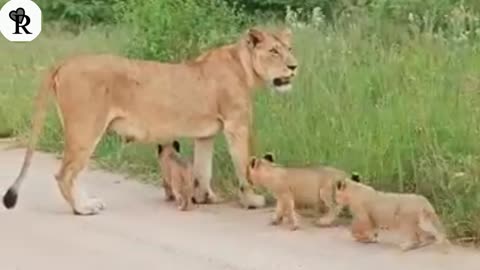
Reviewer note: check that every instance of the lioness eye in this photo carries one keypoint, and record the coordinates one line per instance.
(274, 51)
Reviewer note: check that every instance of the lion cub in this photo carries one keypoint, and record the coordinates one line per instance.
(177, 175)
(411, 214)
(297, 186)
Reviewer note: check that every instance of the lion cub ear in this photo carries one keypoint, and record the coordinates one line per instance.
(341, 185)
(255, 36)
(253, 162)
(159, 149)
(269, 157)
(176, 146)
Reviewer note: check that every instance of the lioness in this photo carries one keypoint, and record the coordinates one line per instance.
(177, 173)
(372, 210)
(297, 186)
(148, 101)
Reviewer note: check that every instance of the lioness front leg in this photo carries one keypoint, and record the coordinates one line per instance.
(237, 139)
(202, 170)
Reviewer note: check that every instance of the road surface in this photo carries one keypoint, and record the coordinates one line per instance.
(138, 230)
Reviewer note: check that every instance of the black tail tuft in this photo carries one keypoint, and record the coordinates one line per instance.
(10, 198)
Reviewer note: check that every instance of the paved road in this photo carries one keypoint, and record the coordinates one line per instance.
(139, 231)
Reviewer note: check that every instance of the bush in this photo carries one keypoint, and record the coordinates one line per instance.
(85, 12)
(173, 30)
(432, 14)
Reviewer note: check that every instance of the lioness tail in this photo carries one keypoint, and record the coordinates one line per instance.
(10, 198)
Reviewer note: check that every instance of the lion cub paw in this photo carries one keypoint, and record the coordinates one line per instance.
(213, 198)
(406, 246)
(275, 221)
(294, 227)
(325, 222)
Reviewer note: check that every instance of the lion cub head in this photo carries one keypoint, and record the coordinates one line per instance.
(261, 170)
(272, 57)
(343, 189)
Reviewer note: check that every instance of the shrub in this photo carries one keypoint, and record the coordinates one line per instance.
(79, 12)
(172, 30)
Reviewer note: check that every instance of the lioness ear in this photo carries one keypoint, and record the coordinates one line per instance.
(269, 157)
(285, 35)
(356, 177)
(176, 146)
(255, 36)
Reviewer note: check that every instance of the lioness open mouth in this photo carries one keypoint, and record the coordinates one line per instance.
(282, 81)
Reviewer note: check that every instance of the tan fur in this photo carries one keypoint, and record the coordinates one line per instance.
(177, 176)
(295, 187)
(147, 101)
(411, 214)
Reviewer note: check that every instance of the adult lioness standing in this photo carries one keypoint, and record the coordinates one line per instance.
(148, 101)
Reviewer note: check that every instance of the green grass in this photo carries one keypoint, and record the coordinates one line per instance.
(403, 114)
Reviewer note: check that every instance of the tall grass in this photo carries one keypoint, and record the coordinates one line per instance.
(399, 105)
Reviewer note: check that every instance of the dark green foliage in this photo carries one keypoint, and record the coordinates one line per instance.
(78, 12)
(172, 30)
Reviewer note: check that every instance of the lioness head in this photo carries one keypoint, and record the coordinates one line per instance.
(272, 57)
(260, 169)
(343, 189)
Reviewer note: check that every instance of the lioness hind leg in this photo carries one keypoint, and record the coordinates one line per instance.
(82, 131)
(74, 161)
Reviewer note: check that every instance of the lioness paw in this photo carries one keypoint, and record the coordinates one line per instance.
(90, 206)
(250, 200)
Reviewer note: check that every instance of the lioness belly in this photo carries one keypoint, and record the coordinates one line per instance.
(163, 130)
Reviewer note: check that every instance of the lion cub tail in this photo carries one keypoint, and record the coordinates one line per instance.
(10, 198)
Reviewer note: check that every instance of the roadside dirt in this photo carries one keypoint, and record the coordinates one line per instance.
(138, 230)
